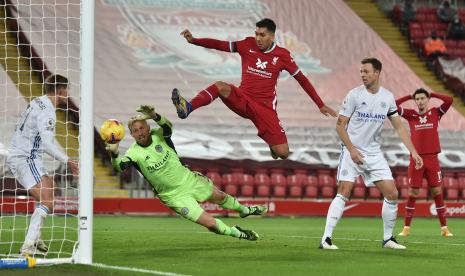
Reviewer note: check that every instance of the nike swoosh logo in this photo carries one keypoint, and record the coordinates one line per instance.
(350, 206)
(251, 51)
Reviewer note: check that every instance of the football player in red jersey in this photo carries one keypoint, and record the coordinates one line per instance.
(424, 132)
(255, 98)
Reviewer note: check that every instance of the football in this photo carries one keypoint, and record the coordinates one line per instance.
(112, 131)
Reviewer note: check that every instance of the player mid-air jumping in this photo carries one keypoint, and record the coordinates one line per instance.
(255, 99)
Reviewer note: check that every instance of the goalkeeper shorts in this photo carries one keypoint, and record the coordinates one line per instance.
(186, 203)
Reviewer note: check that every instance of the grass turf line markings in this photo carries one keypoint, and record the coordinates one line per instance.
(134, 269)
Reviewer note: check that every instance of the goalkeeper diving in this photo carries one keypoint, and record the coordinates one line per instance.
(153, 154)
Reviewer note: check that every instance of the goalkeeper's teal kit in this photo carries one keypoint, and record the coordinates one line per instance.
(177, 187)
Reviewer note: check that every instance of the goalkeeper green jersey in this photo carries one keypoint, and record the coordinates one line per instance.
(158, 163)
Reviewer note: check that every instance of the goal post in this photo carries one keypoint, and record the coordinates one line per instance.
(86, 180)
(39, 38)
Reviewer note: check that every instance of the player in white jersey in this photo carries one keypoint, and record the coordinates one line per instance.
(360, 121)
(34, 135)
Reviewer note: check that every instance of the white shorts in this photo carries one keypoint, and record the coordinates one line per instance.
(27, 171)
(375, 168)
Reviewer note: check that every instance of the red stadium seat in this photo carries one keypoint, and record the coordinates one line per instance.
(229, 179)
(247, 190)
(277, 179)
(246, 179)
(279, 191)
(326, 180)
(296, 179)
(358, 192)
(311, 191)
(312, 180)
(295, 191)
(231, 189)
(261, 179)
(263, 191)
(374, 193)
(327, 192)
(452, 194)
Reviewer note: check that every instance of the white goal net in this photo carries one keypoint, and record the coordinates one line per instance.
(39, 38)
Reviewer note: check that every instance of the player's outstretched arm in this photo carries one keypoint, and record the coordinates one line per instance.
(210, 43)
(341, 124)
(404, 136)
(447, 101)
(310, 90)
(148, 112)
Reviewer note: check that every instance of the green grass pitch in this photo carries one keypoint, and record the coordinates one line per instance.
(287, 246)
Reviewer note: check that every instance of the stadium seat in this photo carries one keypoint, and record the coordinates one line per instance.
(263, 191)
(327, 192)
(229, 179)
(279, 191)
(451, 187)
(310, 191)
(247, 190)
(231, 189)
(295, 191)
(374, 193)
(277, 179)
(326, 180)
(312, 181)
(261, 178)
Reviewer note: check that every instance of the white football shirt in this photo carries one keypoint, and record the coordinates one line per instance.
(367, 113)
(35, 132)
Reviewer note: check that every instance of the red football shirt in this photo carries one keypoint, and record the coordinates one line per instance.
(260, 70)
(424, 127)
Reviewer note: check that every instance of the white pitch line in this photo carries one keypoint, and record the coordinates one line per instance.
(134, 269)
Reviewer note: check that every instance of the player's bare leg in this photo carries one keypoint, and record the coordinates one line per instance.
(219, 227)
(43, 194)
(389, 212)
(230, 203)
(280, 151)
(436, 192)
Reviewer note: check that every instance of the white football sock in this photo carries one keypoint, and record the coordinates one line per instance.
(389, 214)
(37, 219)
(334, 214)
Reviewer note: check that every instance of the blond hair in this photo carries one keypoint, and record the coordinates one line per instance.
(136, 118)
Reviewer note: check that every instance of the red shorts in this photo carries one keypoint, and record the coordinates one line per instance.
(261, 113)
(430, 170)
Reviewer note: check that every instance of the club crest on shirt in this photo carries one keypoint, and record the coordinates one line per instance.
(149, 33)
(275, 59)
(423, 119)
(158, 148)
(185, 211)
(383, 105)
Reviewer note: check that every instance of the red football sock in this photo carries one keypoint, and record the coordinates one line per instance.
(409, 210)
(441, 209)
(205, 97)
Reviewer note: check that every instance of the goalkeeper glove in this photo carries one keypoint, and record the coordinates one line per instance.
(113, 149)
(148, 111)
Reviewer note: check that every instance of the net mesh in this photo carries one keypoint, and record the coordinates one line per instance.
(39, 38)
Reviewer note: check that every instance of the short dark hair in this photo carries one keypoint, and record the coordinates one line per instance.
(54, 82)
(421, 91)
(267, 23)
(377, 65)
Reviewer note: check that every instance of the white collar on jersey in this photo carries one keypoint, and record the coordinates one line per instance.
(271, 48)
